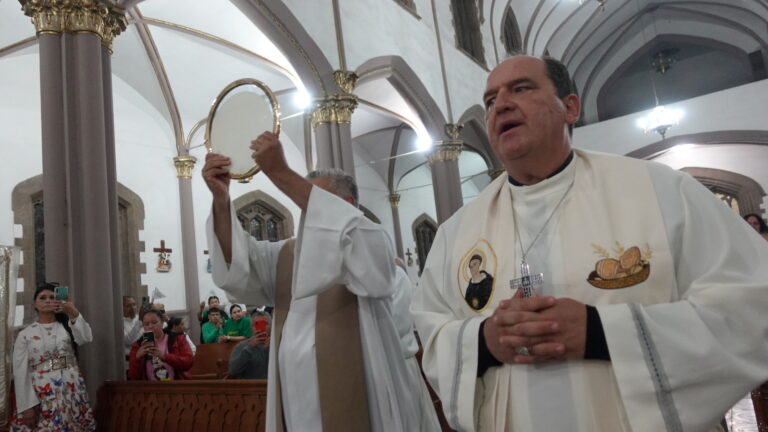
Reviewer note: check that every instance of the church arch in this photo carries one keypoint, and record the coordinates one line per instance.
(263, 216)
(27, 205)
(395, 70)
(278, 23)
(738, 191)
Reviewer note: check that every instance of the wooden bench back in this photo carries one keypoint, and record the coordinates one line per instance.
(211, 361)
(182, 406)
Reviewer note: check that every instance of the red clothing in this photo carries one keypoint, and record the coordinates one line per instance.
(180, 359)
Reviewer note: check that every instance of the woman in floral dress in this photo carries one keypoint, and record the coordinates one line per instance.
(50, 390)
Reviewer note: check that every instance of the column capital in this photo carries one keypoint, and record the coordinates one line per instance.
(453, 130)
(394, 200)
(444, 151)
(346, 80)
(184, 166)
(104, 19)
(334, 109)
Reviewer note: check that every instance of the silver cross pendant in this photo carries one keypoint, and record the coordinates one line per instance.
(527, 282)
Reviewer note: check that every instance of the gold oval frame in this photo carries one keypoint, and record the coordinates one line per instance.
(248, 175)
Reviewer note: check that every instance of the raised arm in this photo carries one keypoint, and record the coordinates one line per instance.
(217, 178)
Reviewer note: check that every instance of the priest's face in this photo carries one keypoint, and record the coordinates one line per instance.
(524, 115)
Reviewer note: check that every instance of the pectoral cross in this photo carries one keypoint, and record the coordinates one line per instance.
(528, 282)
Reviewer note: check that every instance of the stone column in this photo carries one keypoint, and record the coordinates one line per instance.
(79, 175)
(394, 202)
(184, 166)
(331, 120)
(446, 182)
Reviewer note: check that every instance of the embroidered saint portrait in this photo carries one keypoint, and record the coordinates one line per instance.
(476, 270)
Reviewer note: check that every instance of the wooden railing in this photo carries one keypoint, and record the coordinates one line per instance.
(182, 406)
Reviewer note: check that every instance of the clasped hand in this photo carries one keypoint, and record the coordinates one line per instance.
(551, 329)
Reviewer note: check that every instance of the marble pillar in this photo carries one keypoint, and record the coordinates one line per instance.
(79, 171)
(331, 120)
(446, 181)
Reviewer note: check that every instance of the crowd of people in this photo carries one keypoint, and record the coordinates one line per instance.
(666, 333)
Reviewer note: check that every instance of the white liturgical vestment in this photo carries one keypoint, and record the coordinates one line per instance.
(336, 244)
(679, 280)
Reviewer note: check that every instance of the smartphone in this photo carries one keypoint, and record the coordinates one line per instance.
(261, 325)
(61, 293)
(147, 337)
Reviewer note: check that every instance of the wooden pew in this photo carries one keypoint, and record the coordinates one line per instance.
(182, 406)
(211, 361)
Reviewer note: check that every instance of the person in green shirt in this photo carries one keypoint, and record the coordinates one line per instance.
(213, 330)
(238, 327)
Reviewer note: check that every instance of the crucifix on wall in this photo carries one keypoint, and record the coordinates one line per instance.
(163, 261)
(409, 254)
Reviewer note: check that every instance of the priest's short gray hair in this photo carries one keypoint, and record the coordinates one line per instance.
(341, 182)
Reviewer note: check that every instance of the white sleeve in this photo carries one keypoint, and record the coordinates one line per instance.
(131, 334)
(250, 277)
(401, 313)
(450, 342)
(81, 330)
(681, 365)
(22, 376)
(338, 245)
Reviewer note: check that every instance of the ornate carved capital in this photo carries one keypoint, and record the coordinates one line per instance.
(453, 130)
(346, 80)
(444, 151)
(394, 200)
(102, 18)
(184, 166)
(334, 109)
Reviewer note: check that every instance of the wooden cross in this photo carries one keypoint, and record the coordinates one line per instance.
(408, 253)
(162, 248)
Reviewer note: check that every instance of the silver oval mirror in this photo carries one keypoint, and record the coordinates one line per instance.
(239, 114)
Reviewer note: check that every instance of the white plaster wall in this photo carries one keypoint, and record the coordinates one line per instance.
(144, 156)
(374, 194)
(383, 28)
(738, 108)
(20, 140)
(316, 16)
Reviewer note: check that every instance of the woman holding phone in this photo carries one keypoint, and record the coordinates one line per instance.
(158, 355)
(50, 390)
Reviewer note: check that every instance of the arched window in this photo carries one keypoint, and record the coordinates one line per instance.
(263, 217)
(510, 33)
(28, 205)
(424, 230)
(466, 22)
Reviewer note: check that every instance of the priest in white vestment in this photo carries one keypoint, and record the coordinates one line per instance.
(336, 244)
(650, 294)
